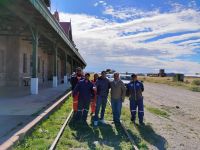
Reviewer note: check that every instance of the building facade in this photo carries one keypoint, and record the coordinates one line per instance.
(35, 47)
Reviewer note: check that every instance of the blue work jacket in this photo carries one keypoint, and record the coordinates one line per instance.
(85, 89)
(134, 90)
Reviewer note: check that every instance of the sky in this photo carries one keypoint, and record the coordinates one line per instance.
(140, 36)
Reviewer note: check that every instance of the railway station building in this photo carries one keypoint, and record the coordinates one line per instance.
(35, 48)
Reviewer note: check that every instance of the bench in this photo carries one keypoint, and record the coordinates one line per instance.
(26, 80)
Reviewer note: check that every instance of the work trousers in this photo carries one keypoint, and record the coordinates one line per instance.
(83, 108)
(116, 109)
(75, 103)
(101, 103)
(134, 104)
(93, 104)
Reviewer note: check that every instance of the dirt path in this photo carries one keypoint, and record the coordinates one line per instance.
(182, 129)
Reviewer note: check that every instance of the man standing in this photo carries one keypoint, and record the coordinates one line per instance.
(93, 102)
(118, 92)
(134, 91)
(102, 87)
(74, 80)
(85, 89)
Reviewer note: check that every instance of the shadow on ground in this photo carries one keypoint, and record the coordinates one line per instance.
(103, 136)
(149, 135)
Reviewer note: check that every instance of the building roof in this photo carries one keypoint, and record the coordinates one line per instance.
(42, 21)
(67, 28)
(47, 2)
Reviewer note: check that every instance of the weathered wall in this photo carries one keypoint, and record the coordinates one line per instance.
(12, 53)
(12, 61)
(2, 60)
(43, 59)
(68, 69)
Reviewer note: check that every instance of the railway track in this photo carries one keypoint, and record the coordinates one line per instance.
(55, 142)
(126, 132)
(59, 135)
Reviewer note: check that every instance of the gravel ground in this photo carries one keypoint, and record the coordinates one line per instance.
(181, 131)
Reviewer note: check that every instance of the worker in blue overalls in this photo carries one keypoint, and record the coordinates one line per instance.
(86, 94)
(134, 91)
(74, 80)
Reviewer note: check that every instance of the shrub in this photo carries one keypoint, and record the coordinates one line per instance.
(196, 82)
(195, 88)
(187, 82)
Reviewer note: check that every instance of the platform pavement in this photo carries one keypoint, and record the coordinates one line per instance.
(19, 107)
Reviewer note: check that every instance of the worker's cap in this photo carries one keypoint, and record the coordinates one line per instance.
(78, 69)
(133, 75)
(87, 74)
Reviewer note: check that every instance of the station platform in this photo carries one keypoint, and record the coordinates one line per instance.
(18, 107)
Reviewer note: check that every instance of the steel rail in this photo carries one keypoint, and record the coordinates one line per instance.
(126, 132)
(55, 142)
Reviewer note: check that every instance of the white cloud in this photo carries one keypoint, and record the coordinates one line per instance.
(96, 4)
(190, 42)
(103, 3)
(121, 46)
(152, 64)
(127, 13)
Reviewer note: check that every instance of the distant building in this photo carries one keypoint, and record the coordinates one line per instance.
(170, 74)
(152, 74)
(34, 45)
(178, 77)
(162, 73)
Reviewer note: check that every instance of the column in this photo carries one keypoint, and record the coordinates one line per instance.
(34, 76)
(65, 70)
(55, 60)
(72, 65)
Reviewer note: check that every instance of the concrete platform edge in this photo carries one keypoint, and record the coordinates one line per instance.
(19, 135)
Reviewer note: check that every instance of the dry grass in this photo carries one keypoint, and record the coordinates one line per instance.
(187, 84)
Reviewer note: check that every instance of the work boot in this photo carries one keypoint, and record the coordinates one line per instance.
(142, 123)
(102, 121)
(133, 121)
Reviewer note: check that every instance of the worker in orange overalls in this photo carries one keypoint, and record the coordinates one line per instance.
(74, 80)
(93, 102)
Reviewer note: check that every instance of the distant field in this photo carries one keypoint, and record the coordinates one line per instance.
(190, 83)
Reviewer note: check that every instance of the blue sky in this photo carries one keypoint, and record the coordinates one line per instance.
(135, 35)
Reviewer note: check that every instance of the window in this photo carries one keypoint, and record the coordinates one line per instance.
(24, 63)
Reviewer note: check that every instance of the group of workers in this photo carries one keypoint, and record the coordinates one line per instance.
(94, 93)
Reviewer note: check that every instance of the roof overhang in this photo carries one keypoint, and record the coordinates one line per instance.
(37, 15)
